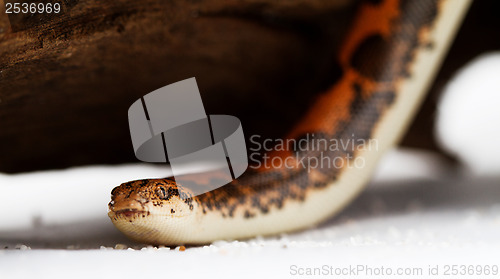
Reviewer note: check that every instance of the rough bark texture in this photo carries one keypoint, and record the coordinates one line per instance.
(67, 80)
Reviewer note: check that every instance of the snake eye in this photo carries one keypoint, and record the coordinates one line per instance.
(162, 193)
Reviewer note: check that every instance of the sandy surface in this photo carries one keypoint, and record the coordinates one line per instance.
(417, 214)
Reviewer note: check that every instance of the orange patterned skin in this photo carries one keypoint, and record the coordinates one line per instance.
(375, 58)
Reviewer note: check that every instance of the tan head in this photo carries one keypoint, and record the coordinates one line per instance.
(141, 209)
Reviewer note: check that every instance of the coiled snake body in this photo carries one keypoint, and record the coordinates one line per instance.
(388, 60)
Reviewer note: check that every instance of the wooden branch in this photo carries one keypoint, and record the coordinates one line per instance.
(67, 80)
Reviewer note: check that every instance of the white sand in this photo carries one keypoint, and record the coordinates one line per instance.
(414, 214)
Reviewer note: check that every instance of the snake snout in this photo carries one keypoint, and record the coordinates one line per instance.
(128, 203)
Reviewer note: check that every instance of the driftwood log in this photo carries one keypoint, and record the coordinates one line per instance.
(67, 79)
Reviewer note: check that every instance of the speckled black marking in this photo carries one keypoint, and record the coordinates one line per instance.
(232, 208)
(370, 58)
(248, 214)
(309, 141)
(382, 60)
(144, 182)
(366, 112)
(378, 58)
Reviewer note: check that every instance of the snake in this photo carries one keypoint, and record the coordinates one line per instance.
(388, 59)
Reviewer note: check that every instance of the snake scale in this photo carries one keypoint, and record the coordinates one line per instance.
(388, 59)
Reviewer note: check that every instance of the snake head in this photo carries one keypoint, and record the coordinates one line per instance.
(143, 207)
(150, 196)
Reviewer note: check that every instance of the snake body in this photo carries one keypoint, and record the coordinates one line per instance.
(388, 59)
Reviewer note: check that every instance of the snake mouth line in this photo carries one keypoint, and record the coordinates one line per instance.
(131, 212)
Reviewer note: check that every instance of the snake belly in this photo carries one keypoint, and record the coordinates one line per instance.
(388, 59)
